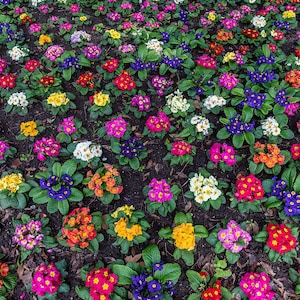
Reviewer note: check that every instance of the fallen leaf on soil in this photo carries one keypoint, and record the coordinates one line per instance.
(16, 163)
(134, 258)
(149, 164)
(188, 206)
(104, 226)
(268, 269)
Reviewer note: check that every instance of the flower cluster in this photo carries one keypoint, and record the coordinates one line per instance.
(206, 61)
(159, 191)
(237, 127)
(47, 80)
(155, 45)
(53, 52)
(158, 123)
(99, 99)
(125, 231)
(57, 99)
(87, 150)
(291, 203)
(213, 101)
(268, 154)
(32, 65)
(249, 188)
(46, 147)
(201, 123)
(229, 81)
(92, 51)
(131, 148)
(3, 147)
(58, 188)
(222, 152)
(116, 127)
(280, 238)
(253, 100)
(18, 99)
(86, 80)
(16, 53)
(213, 293)
(177, 103)
(11, 182)
(106, 179)
(101, 283)
(142, 102)
(111, 65)
(256, 286)
(261, 77)
(67, 126)
(78, 228)
(28, 235)
(295, 151)
(184, 236)
(234, 238)
(46, 279)
(204, 189)
(124, 81)
(9, 81)
(79, 36)
(270, 127)
(293, 77)
(181, 148)
(160, 84)
(69, 63)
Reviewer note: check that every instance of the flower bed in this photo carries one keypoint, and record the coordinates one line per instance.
(149, 150)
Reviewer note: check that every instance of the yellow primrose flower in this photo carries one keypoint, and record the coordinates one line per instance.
(29, 128)
(83, 18)
(263, 34)
(43, 39)
(127, 233)
(11, 182)
(58, 99)
(126, 209)
(228, 56)
(211, 16)
(101, 99)
(114, 34)
(184, 236)
(23, 16)
(288, 14)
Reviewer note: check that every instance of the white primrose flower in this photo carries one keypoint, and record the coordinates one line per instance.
(86, 151)
(259, 21)
(270, 127)
(214, 100)
(177, 102)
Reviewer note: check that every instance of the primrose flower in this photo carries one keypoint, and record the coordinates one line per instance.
(11, 182)
(58, 99)
(46, 279)
(86, 151)
(92, 51)
(184, 236)
(177, 103)
(142, 102)
(158, 123)
(270, 127)
(53, 52)
(229, 81)
(213, 101)
(46, 147)
(100, 99)
(67, 126)
(3, 147)
(16, 53)
(160, 191)
(116, 127)
(29, 128)
(232, 236)
(249, 188)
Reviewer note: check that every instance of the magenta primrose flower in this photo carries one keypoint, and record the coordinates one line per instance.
(67, 126)
(222, 152)
(142, 102)
(181, 148)
(92, 51)
(116, 127)
(46, 147)
(228, 81)
(3, 65)
(160, 191)
(3, 147)
(256, 286)
(46, 279)
(28, 235)
(231, 236)
(158, 123)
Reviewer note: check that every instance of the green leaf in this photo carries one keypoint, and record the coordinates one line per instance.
(180, 217)
(124, 274)
(169, 272)
(134, 163)
(185, 85)
(201, 231)
(229, 112)
(64, 288)
(151, 255)
(266, 50)
(67, 74)
(231, 257)
(63, 207)
(287, 134)
(272, 202)
(289, 176)
(293, 275)
(56, 168)
(188, 257)
(223, 134)
(238, 92)
(247, 114)
(69, 167)
(142, 74)
(261, 236)
(238, 141)
(219, 248)
(83, 293)
(195, 279)
(52, 206)
(249, 137)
